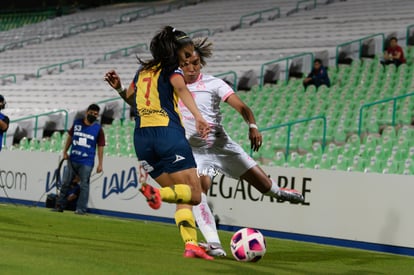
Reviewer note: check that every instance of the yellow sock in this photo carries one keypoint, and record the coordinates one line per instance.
(184, 219)
(178, 193)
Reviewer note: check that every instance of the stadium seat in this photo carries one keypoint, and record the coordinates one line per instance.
(279, 159)
(325, 162)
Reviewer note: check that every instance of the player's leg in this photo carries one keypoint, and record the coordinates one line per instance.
(178, 187)
(206, 222)
(84, 173)
(236, 163)
(171, 163)
(184, 218)
(186, 224)
(267, 186)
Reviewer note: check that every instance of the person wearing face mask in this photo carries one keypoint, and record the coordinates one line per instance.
(4, 120)
(85, 136)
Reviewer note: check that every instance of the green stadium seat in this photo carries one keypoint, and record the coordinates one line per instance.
(34, 144)
(332, 150)
(341, 163)
(278, 160)
(340, 136)
(389, 131)
(45, 145)
(325, 162)
(375, 165)
(317, 149)
(24, 144)
(294, 159)
(393, 166)
(306, 144)
(358, 164)
(309, 161)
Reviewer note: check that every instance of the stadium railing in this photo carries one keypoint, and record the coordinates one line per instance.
(124, 106)
(21, 43)
(299, 3)
(231, 73)
(125, 51)
(289, 128)
(7, 76)
(93, 25)
(135, 14)
(359, 42)
(367, 105)
(36, 119)
(60, 66)
(258, 15)
(199, 33)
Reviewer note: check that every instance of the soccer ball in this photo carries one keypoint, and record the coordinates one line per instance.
(248, 245)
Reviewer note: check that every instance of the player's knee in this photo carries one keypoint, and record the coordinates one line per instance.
(195, 198)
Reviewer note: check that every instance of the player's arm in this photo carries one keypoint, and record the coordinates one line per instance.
(68, 143)
(4, 124)
(397, 54)
(185, 95)
(114, 81)
(99, 169)
(101, 143)
(254, 135)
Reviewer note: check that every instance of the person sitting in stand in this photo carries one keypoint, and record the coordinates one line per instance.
(394, 54)
(318, 76)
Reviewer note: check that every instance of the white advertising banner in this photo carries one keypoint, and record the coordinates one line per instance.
(372, 208)
(28, 176)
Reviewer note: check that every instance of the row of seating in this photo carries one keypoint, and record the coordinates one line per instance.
(353, 85)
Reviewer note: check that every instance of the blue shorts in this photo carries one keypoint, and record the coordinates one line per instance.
(163, 150)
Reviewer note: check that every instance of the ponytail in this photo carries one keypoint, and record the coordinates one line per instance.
(164, 47)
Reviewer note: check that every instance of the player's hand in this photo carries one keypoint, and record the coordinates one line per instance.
(113, 79)
(65, 155)
(202, 127)
(99, 169)
(255, 139)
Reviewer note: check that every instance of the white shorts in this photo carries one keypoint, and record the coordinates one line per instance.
(229, 159)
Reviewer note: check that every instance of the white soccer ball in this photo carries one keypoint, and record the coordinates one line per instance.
(248, 245)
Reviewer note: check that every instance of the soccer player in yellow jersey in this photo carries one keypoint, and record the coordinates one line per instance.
(159, 137)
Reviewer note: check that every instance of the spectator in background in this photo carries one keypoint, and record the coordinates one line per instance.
(394, 53)
(84, 137)
(4, 120)
(72, 196)
(318, 76)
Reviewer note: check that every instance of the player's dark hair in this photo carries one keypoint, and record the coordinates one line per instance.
(394, 38)
(164, 47)
(93, 107)
(203, 48)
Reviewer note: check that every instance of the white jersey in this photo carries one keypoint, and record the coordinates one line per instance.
(218, 151)
(208, 91)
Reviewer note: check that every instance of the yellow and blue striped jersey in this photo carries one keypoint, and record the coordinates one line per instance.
(155, 99)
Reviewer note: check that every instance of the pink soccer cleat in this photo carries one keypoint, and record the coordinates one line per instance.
(152, 195)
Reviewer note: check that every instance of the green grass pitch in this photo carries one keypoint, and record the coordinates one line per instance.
(39, 241)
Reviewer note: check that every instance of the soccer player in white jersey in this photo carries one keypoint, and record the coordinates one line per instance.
(218, 152)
